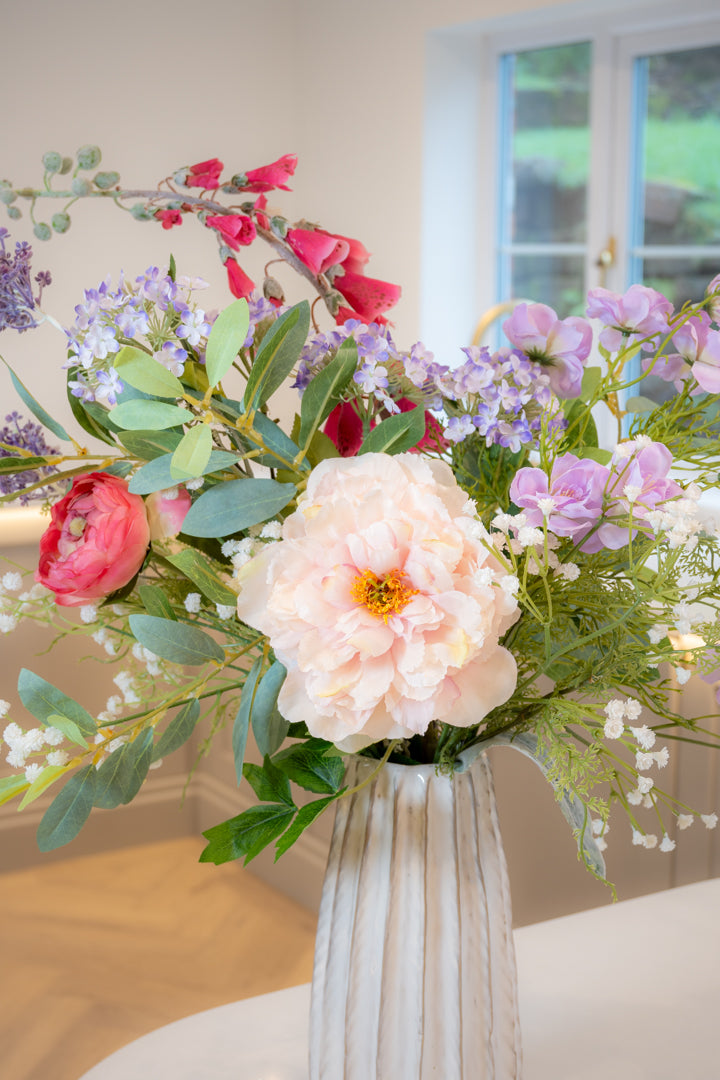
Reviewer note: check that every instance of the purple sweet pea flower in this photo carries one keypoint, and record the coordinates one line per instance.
(639, 481)
(640, 312)
(574, 495)
(699, 345)
(712, 302)
(561, 345)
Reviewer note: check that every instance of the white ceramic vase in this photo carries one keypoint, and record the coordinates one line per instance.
(414, 960)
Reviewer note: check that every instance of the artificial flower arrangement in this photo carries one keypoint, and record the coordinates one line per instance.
(430, 560)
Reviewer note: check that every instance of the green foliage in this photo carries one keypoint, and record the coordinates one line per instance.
(144, 372)
(178, 731)
(121, 775)
(308, 765)
(226, 339)
(242, 718)
(69, 811)
(177, 642)
(277, 355)
(324, 392)
(156, 602)
(396, 434)
(204, 573)
(236, 505)
(192, 455)
(35, 407)
(50, 705)
(269, 727)
(157, 474)
(139, 414)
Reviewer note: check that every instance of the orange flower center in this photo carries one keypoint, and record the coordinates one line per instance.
(383, 596)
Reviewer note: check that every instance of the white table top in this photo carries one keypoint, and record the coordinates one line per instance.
(625, 992)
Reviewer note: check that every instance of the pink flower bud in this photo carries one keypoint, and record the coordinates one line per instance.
(166, 512)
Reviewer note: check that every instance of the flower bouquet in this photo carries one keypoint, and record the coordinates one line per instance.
(429, 558)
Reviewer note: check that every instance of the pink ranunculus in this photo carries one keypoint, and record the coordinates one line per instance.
(638, 313)
(239, 283)
(96, 542)
(561, 345)
(699, 345)
(372, 602)
(576, 488)
(368, 297)
(166, 512)
(205, 174)
(235, 229)
(272, 176)
(317, 250)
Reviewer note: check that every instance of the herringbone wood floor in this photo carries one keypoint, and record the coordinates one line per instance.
(96, 951)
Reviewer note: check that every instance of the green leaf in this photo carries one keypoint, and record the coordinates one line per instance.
(242, 719)
(192, 454)
(304, 817)
(281, 449)
(149, 445)
(35, 407)
(307, 766)
(175, 641)
(238, 504)
(640, 404)
(144, 372)
(157, 474)
(592, 376)
(156, 602)
(48, 776)
(121, 775)
(397, 433)
(69, 811)
(269, 783)
(269, 727)
(323, 392)
(201, 572)
(277, 355)
(595, 453)
(10, 786)
(143, 413)
(226, 339)
(12, 464)
(178, 730)
(44, 700)
(86, 419)
(247, 834)
(69, 729)
(583, 431)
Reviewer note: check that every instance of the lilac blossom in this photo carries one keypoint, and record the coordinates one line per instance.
(173, 357)
(561, 346)
(25, 435)
(157, 286)
(571, 500)
(193, 326)
(17, 303)
(641, 312)
(458, 428)
(108, 387)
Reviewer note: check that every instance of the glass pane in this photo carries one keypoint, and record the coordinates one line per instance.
(682, 148)
(557, 280)
(550, 144)
(680, 279)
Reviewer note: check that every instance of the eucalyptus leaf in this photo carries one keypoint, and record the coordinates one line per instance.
(278, 353)
(281, 449)
(144, 372)
(69, 811)
(10, 786)
(12, 464)
(193, 453)
(594, 453)
(640, 404)
(69, 729)
(143, 413)
(35, 407)
(242, 719)
(121, 775)
(323, 392)
(226, 338)
(228, 508)
(178, 730)
(149, 445)
(199, 569)
(45, 701)
(39, 786)
(156, 602)
(592, 377)
(396, 434)
(157, 474)
(177, 642)
(269, 727)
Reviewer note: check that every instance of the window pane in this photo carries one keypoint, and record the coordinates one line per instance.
(682, 148)
(550, 145)
(680, 279)
(556, 280)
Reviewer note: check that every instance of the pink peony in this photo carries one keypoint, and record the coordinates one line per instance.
(372, 602)
(166, 512)
(561, 345)
(96, 541)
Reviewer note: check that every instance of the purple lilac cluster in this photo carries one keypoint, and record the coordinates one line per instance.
(153, 310)
(18, 306)
(24, 435)
(503, 395)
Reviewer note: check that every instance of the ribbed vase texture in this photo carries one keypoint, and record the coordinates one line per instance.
(414, 960)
